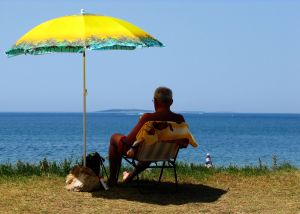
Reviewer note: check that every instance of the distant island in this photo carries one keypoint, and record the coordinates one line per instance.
(124, 111)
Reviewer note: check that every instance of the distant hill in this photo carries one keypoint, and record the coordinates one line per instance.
(124, 111)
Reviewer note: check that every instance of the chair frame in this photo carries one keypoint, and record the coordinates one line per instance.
(159, 164)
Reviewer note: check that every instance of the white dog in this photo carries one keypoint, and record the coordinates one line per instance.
(82, 179)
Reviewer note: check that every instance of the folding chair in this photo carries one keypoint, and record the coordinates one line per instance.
(159, 143)
(161, 154)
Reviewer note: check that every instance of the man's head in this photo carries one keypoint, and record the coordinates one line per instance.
(163, 97)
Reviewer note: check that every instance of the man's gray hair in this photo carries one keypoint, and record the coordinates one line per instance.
(163, 94)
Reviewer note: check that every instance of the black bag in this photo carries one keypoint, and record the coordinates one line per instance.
(94, 161)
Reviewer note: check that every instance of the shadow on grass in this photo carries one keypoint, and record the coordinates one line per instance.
(163, 194)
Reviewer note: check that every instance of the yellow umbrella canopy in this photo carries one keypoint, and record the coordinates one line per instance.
(75, 33)
(81, 32)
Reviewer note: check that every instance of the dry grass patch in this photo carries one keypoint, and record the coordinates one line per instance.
(275, 192)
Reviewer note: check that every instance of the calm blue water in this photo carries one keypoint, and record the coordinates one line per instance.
(239, 139)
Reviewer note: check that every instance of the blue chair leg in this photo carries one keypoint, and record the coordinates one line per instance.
(175, 174)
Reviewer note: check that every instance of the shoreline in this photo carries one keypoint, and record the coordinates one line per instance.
(125, 112)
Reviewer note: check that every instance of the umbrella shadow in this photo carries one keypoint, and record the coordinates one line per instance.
(163, 194)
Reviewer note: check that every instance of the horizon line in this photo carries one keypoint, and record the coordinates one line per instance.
(181, 111)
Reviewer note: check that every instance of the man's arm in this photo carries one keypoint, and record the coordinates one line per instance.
(131, 137)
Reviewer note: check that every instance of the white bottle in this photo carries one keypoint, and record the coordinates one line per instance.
(105, 186)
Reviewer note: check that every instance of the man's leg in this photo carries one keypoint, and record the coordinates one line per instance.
(115, 158)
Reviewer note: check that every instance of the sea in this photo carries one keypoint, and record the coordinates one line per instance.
(231, 138)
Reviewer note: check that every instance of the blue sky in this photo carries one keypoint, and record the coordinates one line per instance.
(231, 56)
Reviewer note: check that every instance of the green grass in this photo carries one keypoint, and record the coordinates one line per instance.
(44, 167)
(197, 172)
(185, 170)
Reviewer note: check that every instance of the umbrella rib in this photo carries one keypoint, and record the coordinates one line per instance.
(126, 29)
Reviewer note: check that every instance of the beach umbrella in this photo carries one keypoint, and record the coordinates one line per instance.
(78, 33)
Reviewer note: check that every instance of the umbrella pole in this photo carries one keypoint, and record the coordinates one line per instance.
(84, 112)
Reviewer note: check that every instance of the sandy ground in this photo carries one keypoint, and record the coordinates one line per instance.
(222, 193)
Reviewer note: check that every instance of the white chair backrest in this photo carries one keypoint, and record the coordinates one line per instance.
(158, 151)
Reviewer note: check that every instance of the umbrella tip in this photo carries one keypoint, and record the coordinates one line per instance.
(82, 11)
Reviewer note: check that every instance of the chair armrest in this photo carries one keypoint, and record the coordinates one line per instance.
(132, 151)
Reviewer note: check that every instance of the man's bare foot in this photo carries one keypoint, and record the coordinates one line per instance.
(126, 176)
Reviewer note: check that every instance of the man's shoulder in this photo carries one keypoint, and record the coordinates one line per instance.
(155, 116)
(181, 118)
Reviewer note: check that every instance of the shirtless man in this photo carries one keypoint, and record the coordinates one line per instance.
(120, 144)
